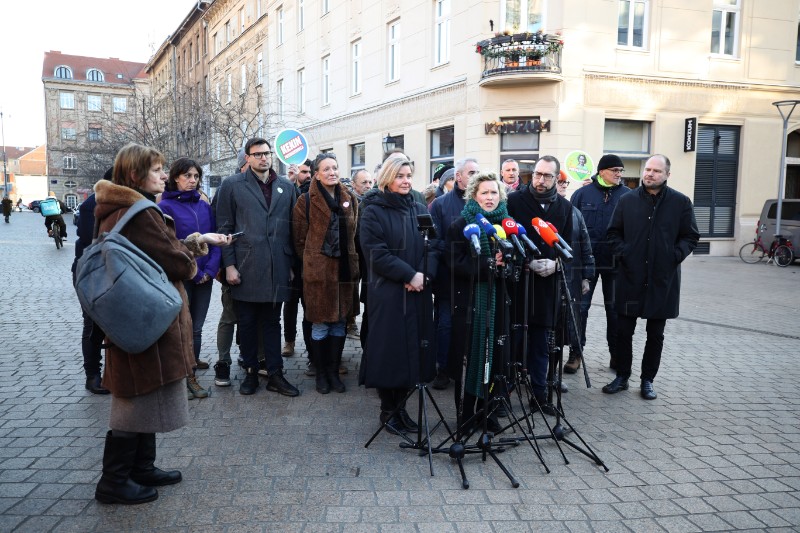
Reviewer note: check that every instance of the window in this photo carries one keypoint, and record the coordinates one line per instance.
(260, 67)
(632, 23)
(120, 104)
(94, 75)
(197, 50)
(216, 91)
(230, 87)
(70, 163)
(797, 50)
(280, 25)
(241, 21)
(356, 69)
(243, 73)
(326, 7)
(64, 73)
(95, 133)
(301, 91)
(279, 97)
(442, 146)
(68, 133)
(94, 102)
(393, 50)
(522, 15)
(630, 140)
(442, 21)
(217, 46)
(67, 100)
(357, 156)
(326, 80)
(258, 9)
(301, 15)
(725, 27)
(191, 56)
(716, 168)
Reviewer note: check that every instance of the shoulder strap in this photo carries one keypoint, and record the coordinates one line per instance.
(134, 210)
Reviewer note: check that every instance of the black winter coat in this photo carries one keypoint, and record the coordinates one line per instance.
(597, 204)
(523, 207)
(398, 319)
(650, 240)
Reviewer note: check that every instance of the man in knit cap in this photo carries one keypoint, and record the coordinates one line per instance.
(596, 202)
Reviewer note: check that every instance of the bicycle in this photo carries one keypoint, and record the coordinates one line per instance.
(780, 251)
(55, 232)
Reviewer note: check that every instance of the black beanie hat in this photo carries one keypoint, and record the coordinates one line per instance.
(441, 169)
(609, 161)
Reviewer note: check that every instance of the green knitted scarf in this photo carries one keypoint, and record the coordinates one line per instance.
(483, 302)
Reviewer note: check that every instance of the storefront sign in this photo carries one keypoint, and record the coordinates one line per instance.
(690, 135)
(516, 126)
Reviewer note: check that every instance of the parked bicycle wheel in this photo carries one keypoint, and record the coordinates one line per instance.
(57, 236)
(783, 255)
(751, 253)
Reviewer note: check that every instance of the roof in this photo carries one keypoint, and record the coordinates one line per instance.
(15, 152)
(114, 70)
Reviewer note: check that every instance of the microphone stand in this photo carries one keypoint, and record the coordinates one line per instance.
(421, 387)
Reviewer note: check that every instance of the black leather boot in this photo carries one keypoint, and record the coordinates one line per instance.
(144, 472)
(115, 485)
(318, 353)
(335, 346)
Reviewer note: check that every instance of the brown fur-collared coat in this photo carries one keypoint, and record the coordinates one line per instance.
(327, 299)
(171, 358)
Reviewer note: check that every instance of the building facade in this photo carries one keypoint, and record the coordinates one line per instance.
(92, 108)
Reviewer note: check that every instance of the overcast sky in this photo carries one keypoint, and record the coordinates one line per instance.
(97, 28)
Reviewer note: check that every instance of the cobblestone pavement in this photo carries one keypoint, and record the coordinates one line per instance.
(719, 450)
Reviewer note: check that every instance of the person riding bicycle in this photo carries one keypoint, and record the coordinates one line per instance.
(54, 218)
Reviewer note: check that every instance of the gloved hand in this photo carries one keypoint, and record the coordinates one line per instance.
(584, 286)
(543, 267)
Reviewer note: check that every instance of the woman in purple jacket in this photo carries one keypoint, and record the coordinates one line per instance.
(183, 201)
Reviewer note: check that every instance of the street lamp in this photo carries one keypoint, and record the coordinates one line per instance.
(389, 143)
(788, 105)
(5, 159)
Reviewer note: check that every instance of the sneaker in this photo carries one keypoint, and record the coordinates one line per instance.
(441, 381)
(352, 331)
(277, 383)
(262, 368)
(249, 383)
(222, 374)
(310, 370)
(288, 349)
(202, 365)
(195, 389)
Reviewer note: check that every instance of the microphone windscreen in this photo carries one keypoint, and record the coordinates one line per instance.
(500, 231)
(521, 229)
(552, 227)
(510, 226)
(472, 229)
(544, 231)
(485, 224)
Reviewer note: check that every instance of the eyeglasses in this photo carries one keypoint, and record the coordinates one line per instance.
(616, 170)
(544, 177)
(563, 183)
(259, 155)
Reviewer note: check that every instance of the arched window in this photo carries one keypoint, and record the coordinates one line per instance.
(64, 72)
(94, 75)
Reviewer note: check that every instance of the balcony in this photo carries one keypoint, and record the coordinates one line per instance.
(520, 59)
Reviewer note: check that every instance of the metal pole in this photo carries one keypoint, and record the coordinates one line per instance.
(5, 159)
(782, 178)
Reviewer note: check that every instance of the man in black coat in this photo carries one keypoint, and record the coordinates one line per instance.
(540, 199)
(652, 231)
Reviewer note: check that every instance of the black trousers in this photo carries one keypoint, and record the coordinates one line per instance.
(651, 360)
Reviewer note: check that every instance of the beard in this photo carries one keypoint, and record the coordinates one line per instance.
(655, 189)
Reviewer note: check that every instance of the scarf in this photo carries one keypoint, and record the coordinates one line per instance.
(484, 304)
(547, 197)
(336, 234)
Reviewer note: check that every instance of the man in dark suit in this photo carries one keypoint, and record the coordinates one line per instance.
(258, 266)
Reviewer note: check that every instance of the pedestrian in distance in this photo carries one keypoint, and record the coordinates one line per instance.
(7, 207)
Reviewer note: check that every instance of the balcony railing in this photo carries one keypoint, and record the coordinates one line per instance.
(522, 53)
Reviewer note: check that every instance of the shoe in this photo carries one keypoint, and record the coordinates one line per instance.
(115, 485)
(493, 425)
(406, 421)
(262, 368)
(240, 362)
(392, 424)
(500, 410)
(195, 388)
(93, 385)
(202, 365)
(549, 409)
(144, 472)
(343, 370)
(441, 381)
(563, 386)
(277, 383)
(573, 363)
(288, 349)
(222, 374)
(335, 347)
(352, 331)
(619, 384)
(249, 383)
(648, 393)
(310, 370)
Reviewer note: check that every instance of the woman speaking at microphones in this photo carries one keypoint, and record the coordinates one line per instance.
(470, 273)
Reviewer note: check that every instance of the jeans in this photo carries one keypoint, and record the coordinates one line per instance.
(226, 326)
(265, 316)
(608, 301)
(91, 346)
(290, 309)
(443, 318)
(322, 330)
(653, 346)
(199, 299)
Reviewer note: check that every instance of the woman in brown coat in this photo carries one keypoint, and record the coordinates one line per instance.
(149, 388)
(324, 225)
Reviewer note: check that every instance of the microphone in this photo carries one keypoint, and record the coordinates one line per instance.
(511, 230)
(501, 234)
(550, 237)
(491, 231)
(564, 243)
(472, 232)
(523, 234)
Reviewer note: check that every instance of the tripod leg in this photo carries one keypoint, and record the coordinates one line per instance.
(514, 482)
(464, 480)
